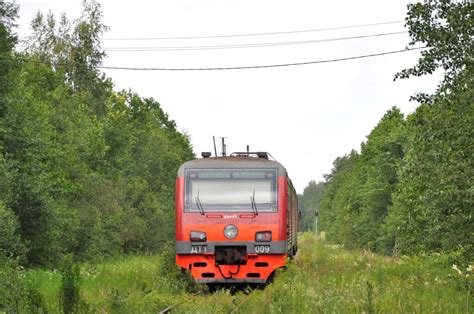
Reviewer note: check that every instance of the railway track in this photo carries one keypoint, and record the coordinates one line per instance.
(169, 308)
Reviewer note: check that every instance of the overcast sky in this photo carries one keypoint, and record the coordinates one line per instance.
(305, 116)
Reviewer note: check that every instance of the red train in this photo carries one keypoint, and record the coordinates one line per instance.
(236, 218)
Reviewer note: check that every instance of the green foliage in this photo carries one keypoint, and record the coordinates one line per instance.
(322, 278)
(328, 279)
(414, 177)
(30, 150)
(74, 47)
(309, 203)
(18, 294)
(334, 209)
(369, 299)
(8, 15)
(11, 287)
(435, 194)
(10, 242)
(35, 302)
(122, 284)
(446, 28)
(359, 191)
(377, 179)
(83, 169)
(70, 292)
(174, 278)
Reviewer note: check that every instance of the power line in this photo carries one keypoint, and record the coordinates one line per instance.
(250, 45)
(261, 66)
(254, 34)
(236, 67)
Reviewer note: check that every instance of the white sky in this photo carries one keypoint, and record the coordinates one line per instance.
(305, 116)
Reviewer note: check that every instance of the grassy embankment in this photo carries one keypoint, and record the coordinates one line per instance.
(124, 285)
(323, 278)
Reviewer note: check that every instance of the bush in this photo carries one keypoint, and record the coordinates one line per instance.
(175, 278)
(10, 242)
(70, 293)
(17, 294)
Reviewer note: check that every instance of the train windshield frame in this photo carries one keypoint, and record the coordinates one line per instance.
(231, 190)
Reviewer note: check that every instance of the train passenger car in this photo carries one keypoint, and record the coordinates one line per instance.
(236, 218)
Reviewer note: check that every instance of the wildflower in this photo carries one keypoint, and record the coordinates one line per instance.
(455, 267)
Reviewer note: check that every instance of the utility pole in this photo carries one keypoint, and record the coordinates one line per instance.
(316, 213)
(215, 149)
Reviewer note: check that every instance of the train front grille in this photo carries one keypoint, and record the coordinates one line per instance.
(231, 255)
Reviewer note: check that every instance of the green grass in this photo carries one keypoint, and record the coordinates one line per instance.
(123, 285)
(323, 278)
(328, 279)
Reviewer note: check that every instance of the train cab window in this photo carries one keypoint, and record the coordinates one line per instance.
(231, 190)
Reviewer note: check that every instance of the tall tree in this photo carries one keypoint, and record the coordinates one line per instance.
(446, 29)
(309, 203)
(434, 197)
(8, 15)
(32, 155)
(10, 242)
(83, 169)
(73, 48)
(380, 157)
(435, 191)
(358, 192)
(338, 202)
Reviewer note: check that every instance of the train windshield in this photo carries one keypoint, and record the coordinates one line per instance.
(231, 190)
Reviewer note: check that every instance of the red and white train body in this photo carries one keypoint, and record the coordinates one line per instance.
(236, 218)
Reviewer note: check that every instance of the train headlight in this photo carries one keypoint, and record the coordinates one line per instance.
(230, 231)
(263, 236)
(197, 236)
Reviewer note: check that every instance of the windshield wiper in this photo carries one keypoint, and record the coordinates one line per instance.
(254, 204)
(199, 204)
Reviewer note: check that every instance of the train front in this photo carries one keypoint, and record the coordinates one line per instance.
(231, 219)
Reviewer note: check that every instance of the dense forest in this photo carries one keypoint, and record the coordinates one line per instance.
(84, 169)
(410, 190)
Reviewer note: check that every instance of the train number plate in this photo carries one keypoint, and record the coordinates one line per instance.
(198, 249)
(262, 249)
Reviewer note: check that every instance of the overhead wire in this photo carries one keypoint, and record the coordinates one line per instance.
(261, 66)
(234, 67)
(253, 34)
(248, 45)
